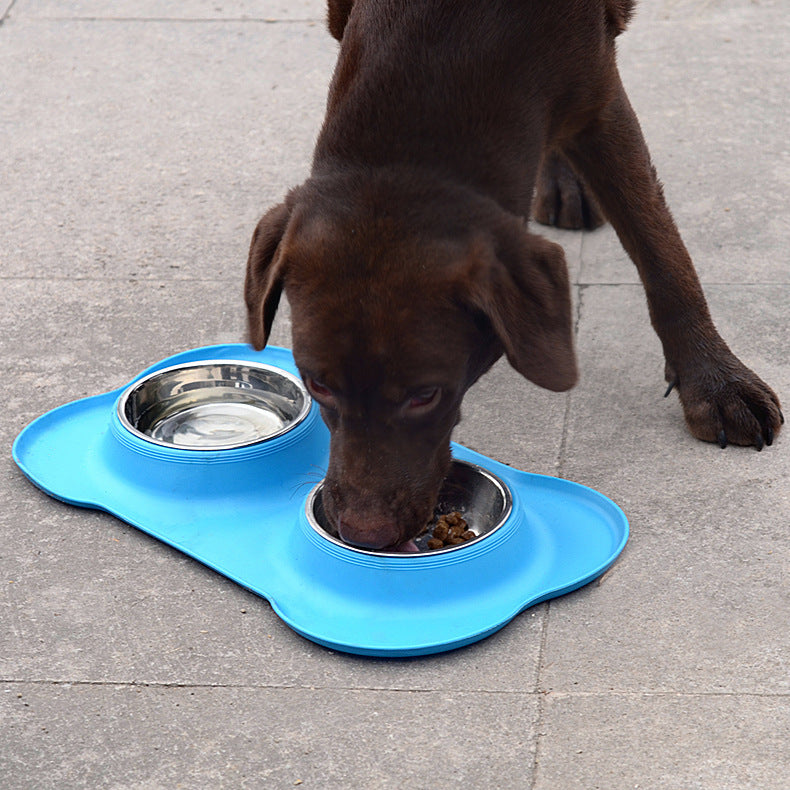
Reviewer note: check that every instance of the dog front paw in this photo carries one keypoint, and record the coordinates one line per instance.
(562, 198)
(728, 404)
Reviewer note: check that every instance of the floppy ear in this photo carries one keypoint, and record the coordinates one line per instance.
(520, 282)
(265, 272)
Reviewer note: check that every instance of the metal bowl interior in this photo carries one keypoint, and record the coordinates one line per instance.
(480, 497)
(213, 405)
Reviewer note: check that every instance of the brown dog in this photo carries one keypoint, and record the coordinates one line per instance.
(406, 259)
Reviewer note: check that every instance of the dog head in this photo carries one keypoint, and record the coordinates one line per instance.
(398, 305)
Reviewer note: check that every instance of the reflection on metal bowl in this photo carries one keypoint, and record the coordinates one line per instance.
(213, 405)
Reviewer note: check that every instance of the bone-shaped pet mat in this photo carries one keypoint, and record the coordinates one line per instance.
(218, 452)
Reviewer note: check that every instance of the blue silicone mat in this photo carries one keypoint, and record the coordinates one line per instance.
(242, 513)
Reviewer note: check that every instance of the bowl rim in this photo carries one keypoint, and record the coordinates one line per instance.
(507, 510)
(127, 392)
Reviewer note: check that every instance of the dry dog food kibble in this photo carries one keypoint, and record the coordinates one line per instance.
(450, 530)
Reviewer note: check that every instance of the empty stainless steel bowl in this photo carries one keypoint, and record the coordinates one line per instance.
(480, 497)
(213, 405)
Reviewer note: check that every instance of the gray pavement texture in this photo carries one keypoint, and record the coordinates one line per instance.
(139, 143)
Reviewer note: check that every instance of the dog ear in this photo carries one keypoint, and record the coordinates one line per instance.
(521, 284)
(265, 273)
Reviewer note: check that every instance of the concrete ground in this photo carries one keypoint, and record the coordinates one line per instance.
(139, 143)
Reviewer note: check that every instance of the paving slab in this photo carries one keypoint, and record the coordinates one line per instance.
(710, 91)
(90, 600)
(191, 10)
(333, 739)
(708, 609)
(119, 166)
(662, 742)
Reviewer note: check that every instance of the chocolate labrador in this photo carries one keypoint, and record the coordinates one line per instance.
(406, 257)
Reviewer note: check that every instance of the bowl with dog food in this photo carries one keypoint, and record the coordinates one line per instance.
(472, 504)
(220, 453)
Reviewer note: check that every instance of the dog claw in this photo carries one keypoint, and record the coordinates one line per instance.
(672, 385)
(722, 439)
(758, 442)
(769, 435)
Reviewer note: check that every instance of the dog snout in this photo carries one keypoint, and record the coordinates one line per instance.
(382, 499)
(376, 521)
(368, 531)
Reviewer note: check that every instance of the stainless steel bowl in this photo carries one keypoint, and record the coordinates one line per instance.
(483, 500)
(213, 405)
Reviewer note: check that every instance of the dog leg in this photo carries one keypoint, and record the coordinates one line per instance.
(722, 399)
(562, 198)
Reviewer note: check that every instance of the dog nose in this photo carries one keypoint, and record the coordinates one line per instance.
(368, 532)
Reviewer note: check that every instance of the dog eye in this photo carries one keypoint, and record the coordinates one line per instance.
(424, 399)
(317, 389)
